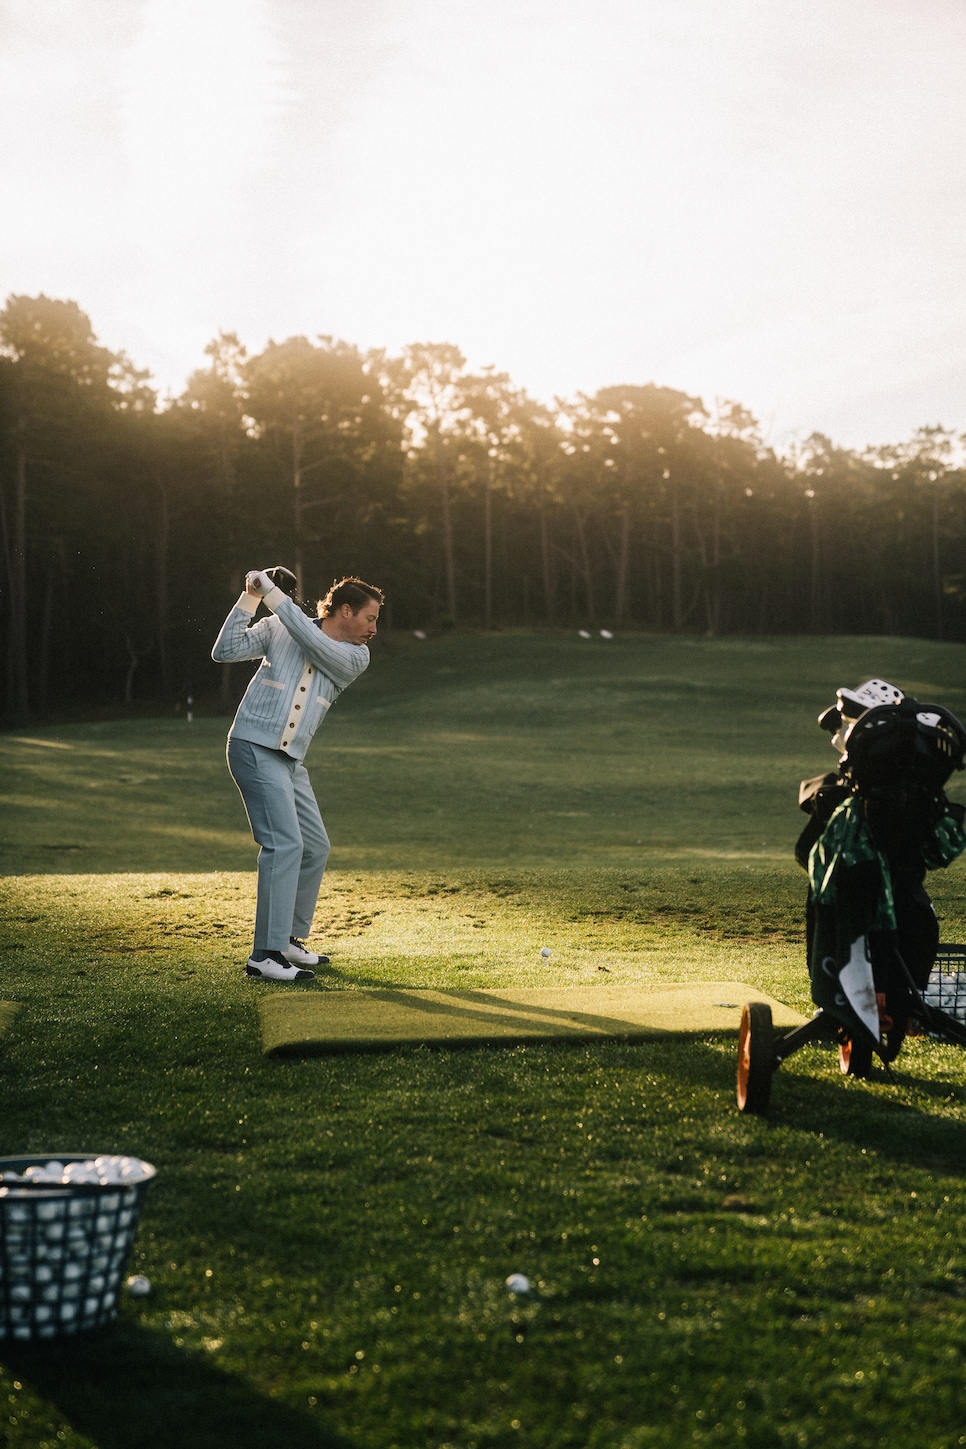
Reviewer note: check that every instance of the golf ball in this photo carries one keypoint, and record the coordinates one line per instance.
(544, 950)
(139, 1286)
(517, 1283)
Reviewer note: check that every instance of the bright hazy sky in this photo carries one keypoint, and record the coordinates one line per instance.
(753, 199)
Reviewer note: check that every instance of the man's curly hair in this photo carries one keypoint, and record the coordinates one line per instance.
(352, 591)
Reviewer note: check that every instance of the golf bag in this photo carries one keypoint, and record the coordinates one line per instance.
(876, 826)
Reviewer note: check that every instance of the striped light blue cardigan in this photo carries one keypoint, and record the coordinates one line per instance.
(302, 672)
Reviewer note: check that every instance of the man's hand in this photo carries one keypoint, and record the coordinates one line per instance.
(258, 584)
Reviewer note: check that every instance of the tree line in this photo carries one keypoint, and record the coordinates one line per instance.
(127, 523)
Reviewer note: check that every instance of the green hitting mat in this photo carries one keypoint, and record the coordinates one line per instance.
(8, 1010)
(299, 1024)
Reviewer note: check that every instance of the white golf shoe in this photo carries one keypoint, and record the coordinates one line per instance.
(298, 954)
(272, 966)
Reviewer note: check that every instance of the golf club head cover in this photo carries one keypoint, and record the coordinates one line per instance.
(283, 579)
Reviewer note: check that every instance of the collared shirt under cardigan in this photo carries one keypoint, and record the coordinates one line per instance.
(302, 674)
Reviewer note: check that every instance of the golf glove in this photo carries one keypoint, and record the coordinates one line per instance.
(258, 580)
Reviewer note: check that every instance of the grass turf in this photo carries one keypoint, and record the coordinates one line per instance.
(328, 1239)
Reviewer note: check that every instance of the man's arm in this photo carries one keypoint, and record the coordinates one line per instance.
(239, 638)
(341, 662)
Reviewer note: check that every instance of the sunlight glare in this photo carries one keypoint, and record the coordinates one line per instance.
(201, 98)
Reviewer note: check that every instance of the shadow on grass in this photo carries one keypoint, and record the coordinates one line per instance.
(883, 1114)
(380, 1019)
(867, 1115)
(127, 1387)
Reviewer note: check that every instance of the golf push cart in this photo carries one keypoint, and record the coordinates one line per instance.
(877, 970)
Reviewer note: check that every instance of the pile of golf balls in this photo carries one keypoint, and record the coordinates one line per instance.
(947, 993)
(62, 1251)
(99, 1171)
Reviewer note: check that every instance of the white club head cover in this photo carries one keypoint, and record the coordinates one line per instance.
(858, 984)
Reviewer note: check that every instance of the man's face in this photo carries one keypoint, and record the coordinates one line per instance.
(359, 628)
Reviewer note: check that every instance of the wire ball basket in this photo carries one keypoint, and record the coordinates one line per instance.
(67, 1226)
(946, 988)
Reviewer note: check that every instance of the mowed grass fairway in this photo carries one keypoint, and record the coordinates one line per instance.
(328, 1238)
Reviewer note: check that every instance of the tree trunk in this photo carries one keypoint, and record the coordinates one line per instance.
(937, 577)
(235, 585)
(17, 688)
(43, 658)
(297, 450)
(8, 574)
(5, 540)
(623, 558)
(228, 467)
(713, 592)
(162, 550)
(546, 561)
(677, 610)
(488, 546)
(657, 588)
(815, 584)
(449, 561)
(134, 659)
(235, 582)
(585, 565)
(704, 577)
(763, 601)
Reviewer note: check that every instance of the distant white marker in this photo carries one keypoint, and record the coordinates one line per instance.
(419, 634)
(606, 634)
(584, 633)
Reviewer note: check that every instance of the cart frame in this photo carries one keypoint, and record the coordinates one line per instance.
(761, 1053)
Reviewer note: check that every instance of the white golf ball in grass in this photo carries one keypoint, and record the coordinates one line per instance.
(544, 951)
(517, 1283)
(139, 1286)
(606, 634)
(584, 633)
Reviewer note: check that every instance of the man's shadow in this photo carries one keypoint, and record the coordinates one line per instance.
(127, 1387)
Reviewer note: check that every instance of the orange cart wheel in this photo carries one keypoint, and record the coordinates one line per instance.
(756, 1058)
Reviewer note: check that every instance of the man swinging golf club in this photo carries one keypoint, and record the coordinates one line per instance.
(306, 664)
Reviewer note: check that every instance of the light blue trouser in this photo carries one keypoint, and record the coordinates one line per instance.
(285, 820)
